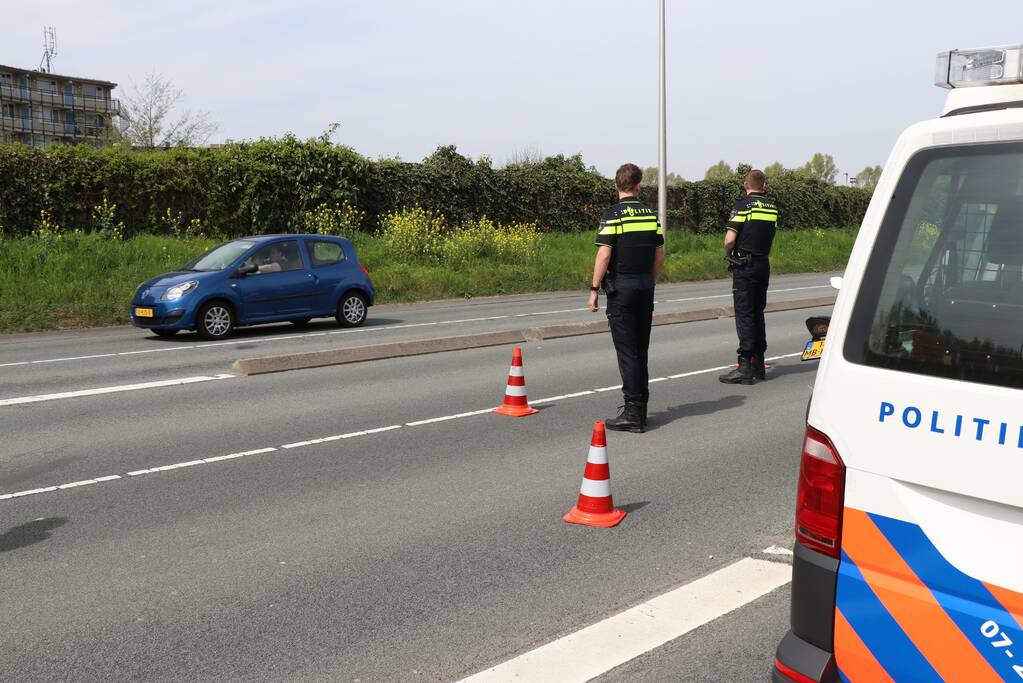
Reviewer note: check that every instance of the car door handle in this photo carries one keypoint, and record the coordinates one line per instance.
(313, 277)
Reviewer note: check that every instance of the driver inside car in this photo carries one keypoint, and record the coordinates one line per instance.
(273, 261)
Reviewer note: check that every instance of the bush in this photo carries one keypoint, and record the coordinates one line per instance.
(104, 221)
(485, 240)
(805, 203)
(340, 219)
(472, 241)
(518, 243)
(417, 235)
(414, 235)
(241, 188)
(47, 228)
(196, 230)
(289, 185)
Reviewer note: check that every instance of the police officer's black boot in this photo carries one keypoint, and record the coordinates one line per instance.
(740, 375)
(759, 372)
(630, 419)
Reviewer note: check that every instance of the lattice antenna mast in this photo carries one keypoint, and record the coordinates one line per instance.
(49, 48)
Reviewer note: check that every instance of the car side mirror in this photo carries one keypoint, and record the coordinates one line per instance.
(836, 282)
(246, 269)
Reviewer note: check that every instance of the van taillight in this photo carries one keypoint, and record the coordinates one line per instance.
(791, 674)
(364, 270)
(820, 495)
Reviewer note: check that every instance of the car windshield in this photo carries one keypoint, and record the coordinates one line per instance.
(220, 257)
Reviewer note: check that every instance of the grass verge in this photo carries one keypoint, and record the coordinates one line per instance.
(85, 280)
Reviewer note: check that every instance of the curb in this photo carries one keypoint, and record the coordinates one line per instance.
(417, 347)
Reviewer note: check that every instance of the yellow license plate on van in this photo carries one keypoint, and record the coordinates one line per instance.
(143, 313)
(813, 350)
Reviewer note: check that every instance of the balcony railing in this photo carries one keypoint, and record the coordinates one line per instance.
(58, 99)
(47, 127)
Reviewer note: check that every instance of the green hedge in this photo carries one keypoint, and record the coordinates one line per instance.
(269, 185)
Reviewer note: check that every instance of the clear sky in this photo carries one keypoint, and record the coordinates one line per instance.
(747, 82)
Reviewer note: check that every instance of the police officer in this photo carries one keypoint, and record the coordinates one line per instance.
(630, 256)
(748, 237)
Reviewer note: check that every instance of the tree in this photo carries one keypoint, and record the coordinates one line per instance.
(719, 171)
(153, 119)
(327, 136)
(650, 177)
(868, 177)
(775, 170)
(530, 155)
(822, 167)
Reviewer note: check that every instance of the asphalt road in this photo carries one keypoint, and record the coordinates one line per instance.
(51, 362)
(407, 549)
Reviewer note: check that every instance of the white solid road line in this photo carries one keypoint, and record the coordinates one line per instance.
(362, 330)
(338, 437)
(112, 390)
(596, 649)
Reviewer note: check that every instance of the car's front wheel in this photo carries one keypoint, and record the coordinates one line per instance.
(351, 310)
(215, 320)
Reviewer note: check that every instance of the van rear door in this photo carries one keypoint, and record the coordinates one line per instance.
(922, 397)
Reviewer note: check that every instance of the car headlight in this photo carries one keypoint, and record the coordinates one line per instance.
(178, 291)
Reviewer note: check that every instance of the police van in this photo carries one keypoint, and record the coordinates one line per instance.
(909, 519)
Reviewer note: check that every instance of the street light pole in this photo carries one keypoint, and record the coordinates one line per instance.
(662, 159)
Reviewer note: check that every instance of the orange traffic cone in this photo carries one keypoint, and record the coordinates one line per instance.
(515, 402)
(595, 507)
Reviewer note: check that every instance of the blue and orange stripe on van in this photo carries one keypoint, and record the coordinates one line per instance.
(859, 662)
(905, 613)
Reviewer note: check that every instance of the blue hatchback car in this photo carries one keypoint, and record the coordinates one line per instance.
(253, 280)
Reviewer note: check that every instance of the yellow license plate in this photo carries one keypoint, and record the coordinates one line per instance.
(813, 350)
(143, 313)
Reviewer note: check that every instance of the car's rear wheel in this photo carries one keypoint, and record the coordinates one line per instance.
(351, 310)
(163, 332)
(300, 322)
(215, 320)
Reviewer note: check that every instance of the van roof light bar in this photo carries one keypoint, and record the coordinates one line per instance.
(979, 66)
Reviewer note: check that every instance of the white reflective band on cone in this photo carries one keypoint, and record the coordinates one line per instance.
(597, 455)
(515, 391)
(596, 489)
(516, 371)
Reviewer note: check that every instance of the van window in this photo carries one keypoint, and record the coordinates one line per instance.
(942, 294)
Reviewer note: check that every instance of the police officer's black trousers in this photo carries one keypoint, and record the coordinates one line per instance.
(749, 295)
(630, 311)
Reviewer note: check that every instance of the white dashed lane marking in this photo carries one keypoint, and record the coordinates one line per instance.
(312, 442)
(47, 489)
(338, 437)
(112, 390)
(363, 330)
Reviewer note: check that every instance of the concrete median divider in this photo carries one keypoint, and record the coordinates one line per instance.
(417, 347)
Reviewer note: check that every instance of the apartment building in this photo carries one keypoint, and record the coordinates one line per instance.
(39, 108)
